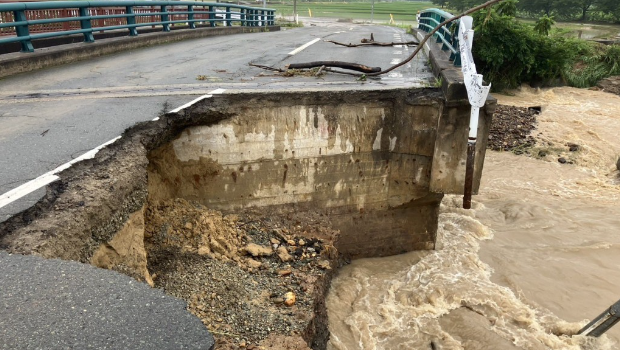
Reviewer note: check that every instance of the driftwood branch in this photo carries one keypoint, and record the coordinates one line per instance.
(374, 71)
(372, 43)
(345, 65)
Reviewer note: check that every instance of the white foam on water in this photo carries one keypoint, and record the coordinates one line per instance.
(525, 269)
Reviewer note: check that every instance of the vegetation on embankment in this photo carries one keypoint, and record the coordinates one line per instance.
(510, 53)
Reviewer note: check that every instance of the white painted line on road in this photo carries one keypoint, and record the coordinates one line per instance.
(395, 61)
(304, 46)
(398, 52)
(176, 110)
(208, 95)
(47, 178)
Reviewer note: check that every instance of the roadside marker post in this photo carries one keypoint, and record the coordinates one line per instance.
(477, 95)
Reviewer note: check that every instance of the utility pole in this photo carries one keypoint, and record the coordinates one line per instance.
(295, 11)
(372, 10)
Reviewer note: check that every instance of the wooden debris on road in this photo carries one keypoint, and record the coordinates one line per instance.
(338, 64)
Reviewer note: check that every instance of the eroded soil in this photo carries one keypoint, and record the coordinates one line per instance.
(239, 273)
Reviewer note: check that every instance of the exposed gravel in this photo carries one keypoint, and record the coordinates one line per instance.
(239, 297)
(511, 127)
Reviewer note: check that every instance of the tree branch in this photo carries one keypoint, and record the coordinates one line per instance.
(372, 43)
(345, 65)
(430, 35)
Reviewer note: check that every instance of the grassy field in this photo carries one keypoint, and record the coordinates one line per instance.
(588, 30)
(402, 11)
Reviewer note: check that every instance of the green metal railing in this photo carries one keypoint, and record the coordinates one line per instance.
(447, 36)
(17, 19)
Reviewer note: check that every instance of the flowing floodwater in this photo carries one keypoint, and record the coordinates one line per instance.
(536, 257)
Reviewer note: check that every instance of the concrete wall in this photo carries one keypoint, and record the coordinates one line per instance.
(377, 162)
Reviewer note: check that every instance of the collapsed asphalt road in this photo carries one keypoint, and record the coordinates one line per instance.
(54, 115)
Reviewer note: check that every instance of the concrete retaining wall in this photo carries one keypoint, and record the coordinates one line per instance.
(377, 162)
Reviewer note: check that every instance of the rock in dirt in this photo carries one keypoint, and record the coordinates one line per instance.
(284, 255)
(324, 264)
(253, 263)
(258, 250)
(289, 299)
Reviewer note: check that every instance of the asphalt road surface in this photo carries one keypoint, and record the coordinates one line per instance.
(55, 304)
(52, 116)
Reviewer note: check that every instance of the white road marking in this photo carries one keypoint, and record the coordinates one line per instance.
(49, 177)
(398, 52)
(210, 94)
(395, 61)
(304, 46)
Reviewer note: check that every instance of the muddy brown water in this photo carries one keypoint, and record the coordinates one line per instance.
(536, 258)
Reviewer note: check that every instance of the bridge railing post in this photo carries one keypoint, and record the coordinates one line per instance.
(244, 17)
(228, 17)
(131, 20)
(165, 17)
(211, 16)
(190, 17)
(86, 24)
(23, 31)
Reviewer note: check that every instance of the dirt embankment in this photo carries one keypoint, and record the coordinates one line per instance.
(257, 279)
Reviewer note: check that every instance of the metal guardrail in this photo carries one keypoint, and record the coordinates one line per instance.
(429, 19)
(603, 322)
(21, 20)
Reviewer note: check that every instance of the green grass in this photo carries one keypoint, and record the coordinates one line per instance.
(402, 11)
(588, 30)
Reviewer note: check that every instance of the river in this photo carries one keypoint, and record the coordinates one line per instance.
(526, 268)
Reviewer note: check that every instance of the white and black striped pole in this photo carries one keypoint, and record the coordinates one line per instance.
(477, 95)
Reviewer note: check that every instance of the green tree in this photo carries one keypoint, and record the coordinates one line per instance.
(611, 7)
(507, 8)
(544, 24)
(539, 6)
(585, 6)
(462, 5)
(441, 3)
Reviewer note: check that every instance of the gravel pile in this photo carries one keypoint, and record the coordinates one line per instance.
(511, 127)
